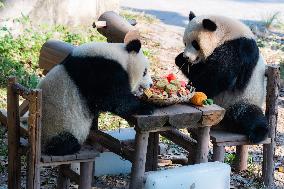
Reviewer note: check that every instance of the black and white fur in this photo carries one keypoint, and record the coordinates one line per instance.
(96, 77)
(221, 58)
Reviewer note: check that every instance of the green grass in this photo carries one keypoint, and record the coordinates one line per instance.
(3, 150)
(19, 54)
(139, 17)
(271, 19)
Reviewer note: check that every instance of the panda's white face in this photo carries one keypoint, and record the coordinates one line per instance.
(138, 71)
(205, 33)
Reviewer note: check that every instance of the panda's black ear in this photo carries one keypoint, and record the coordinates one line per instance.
(191, 15)
(133, 46)
(209, 25)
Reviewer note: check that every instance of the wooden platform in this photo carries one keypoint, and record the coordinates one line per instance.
(226, 138)
(87, 153)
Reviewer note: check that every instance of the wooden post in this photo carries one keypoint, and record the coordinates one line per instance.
(138, 165)
(86, 175)
(202, 145)
(13, 121)
(152, 152)
(218, 153)
(63, 181)
(34, 129)
(271, 113)
(117, 29)
(242, 157)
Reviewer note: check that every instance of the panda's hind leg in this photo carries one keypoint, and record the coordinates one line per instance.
(62, 144)
(247, 119)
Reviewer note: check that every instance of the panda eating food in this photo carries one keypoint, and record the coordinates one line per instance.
(221, 58)
(96, 77)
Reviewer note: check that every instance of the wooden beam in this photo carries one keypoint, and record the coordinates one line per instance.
(13, 122)
(111, 143)
(138, 165)
(271, 113)
(181, 139)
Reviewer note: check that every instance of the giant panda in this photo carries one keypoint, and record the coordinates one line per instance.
(221, 58)
(96, 77)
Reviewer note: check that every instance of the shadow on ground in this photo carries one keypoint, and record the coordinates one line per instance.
(167, 17)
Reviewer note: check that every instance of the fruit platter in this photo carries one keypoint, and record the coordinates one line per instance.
(168, 90)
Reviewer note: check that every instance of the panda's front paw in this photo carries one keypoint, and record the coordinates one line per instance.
(180, 60)
(146, 109)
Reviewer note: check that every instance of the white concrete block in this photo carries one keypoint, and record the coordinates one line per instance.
(213, 175)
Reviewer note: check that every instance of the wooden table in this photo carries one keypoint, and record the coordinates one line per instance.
(165, 121)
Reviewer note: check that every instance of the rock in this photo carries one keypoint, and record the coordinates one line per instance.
(65, 12)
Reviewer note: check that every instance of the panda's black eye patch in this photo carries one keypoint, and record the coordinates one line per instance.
(145, 72)
(195, 45)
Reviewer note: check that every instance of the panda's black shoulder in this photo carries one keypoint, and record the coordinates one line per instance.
(96, 76)
(228, 68)
(240, 56)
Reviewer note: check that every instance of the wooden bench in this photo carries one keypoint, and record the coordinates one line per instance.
(26, 140)
(220, 138)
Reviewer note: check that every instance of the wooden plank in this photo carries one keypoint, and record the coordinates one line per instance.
(13, 122)
(87, 152)
(64, 162)
(182, 116)
(226, 136)
(271, 113)
(181, 139)
(24, 107)
(34, 137)
(221, 136)
(138, 166)
(53, 52)
(45, 159)
(178, 116)
(111, 143)
(236, 143)
(22, 91)
(211, 115)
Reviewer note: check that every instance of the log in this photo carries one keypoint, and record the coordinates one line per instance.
(138, 165)
(218, 153)
(152, 152)
(202, 145)
(13, 122)
(271, 113)
(242, 158)
(86, 175)
(66, 172)
(111, 143)
(52, 53)
(181, 139)
(63, 181)
(117, 29)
